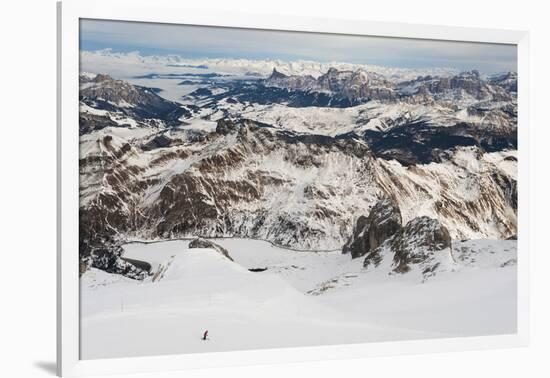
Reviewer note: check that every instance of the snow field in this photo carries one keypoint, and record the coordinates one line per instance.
(200, 289)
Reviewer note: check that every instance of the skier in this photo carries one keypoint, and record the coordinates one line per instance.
(205, 335)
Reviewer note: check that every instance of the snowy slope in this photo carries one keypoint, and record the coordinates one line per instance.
(253, 183)
(266, 154)
(202, 290)
(373, 115)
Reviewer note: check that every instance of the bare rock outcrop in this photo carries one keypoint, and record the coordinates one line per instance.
(225, 126)
(204, 243)
(105, 253)
(358, 242)
(420, 243)
(383, 221)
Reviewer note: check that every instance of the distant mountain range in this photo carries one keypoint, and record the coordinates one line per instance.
(294, 159)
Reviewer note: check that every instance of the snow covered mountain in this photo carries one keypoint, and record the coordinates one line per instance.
(347, 87)
(309, 203)
(249, 157)
(101, 93)
(360, 86)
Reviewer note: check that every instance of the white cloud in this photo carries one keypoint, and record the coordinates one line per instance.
(131, 64)
(197, 41)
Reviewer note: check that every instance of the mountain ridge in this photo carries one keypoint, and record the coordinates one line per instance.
(221, 174)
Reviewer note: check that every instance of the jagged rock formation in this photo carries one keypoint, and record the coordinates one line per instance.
(369, 232)
(418, 244)
(203, 243)
(158, 141)
(508, 81)
(294, 82)
(225, 126)
(381, 234)
(385, 220)
(357, 244)
(347, 87)
(456, 87)
(91, 122)
(360, 86)
(104, 93)
(103, 252)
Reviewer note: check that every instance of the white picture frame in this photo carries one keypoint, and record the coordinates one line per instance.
(165, 11)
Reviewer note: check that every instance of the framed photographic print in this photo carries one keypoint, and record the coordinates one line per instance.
(240, 189)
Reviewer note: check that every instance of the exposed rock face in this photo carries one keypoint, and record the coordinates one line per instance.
(105, 93)
(357, 245)
(353, 87)
(361, 86)
(293, 82)
(91, 122)
(225, 126)
(103, 252)
(93, 78)
(418, 142)
(419, 243)
(509, 188)
(508, 81)
(383, 221)
(159, 141)
(203, 243)
(455, 87)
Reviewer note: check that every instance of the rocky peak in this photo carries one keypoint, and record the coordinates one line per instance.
(225, 126)
(508, 81)
(158, 141)
(335, 80)
(360, 75)
(351, 87)
(277, 75)
(105, 93)
(291, 82)
(383, 221)
(102, 77)
(469, 83)
(380, 236)
(421, 243)
(420, 237)
(357, 244)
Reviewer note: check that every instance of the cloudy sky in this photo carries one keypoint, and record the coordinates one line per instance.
(212, 42)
